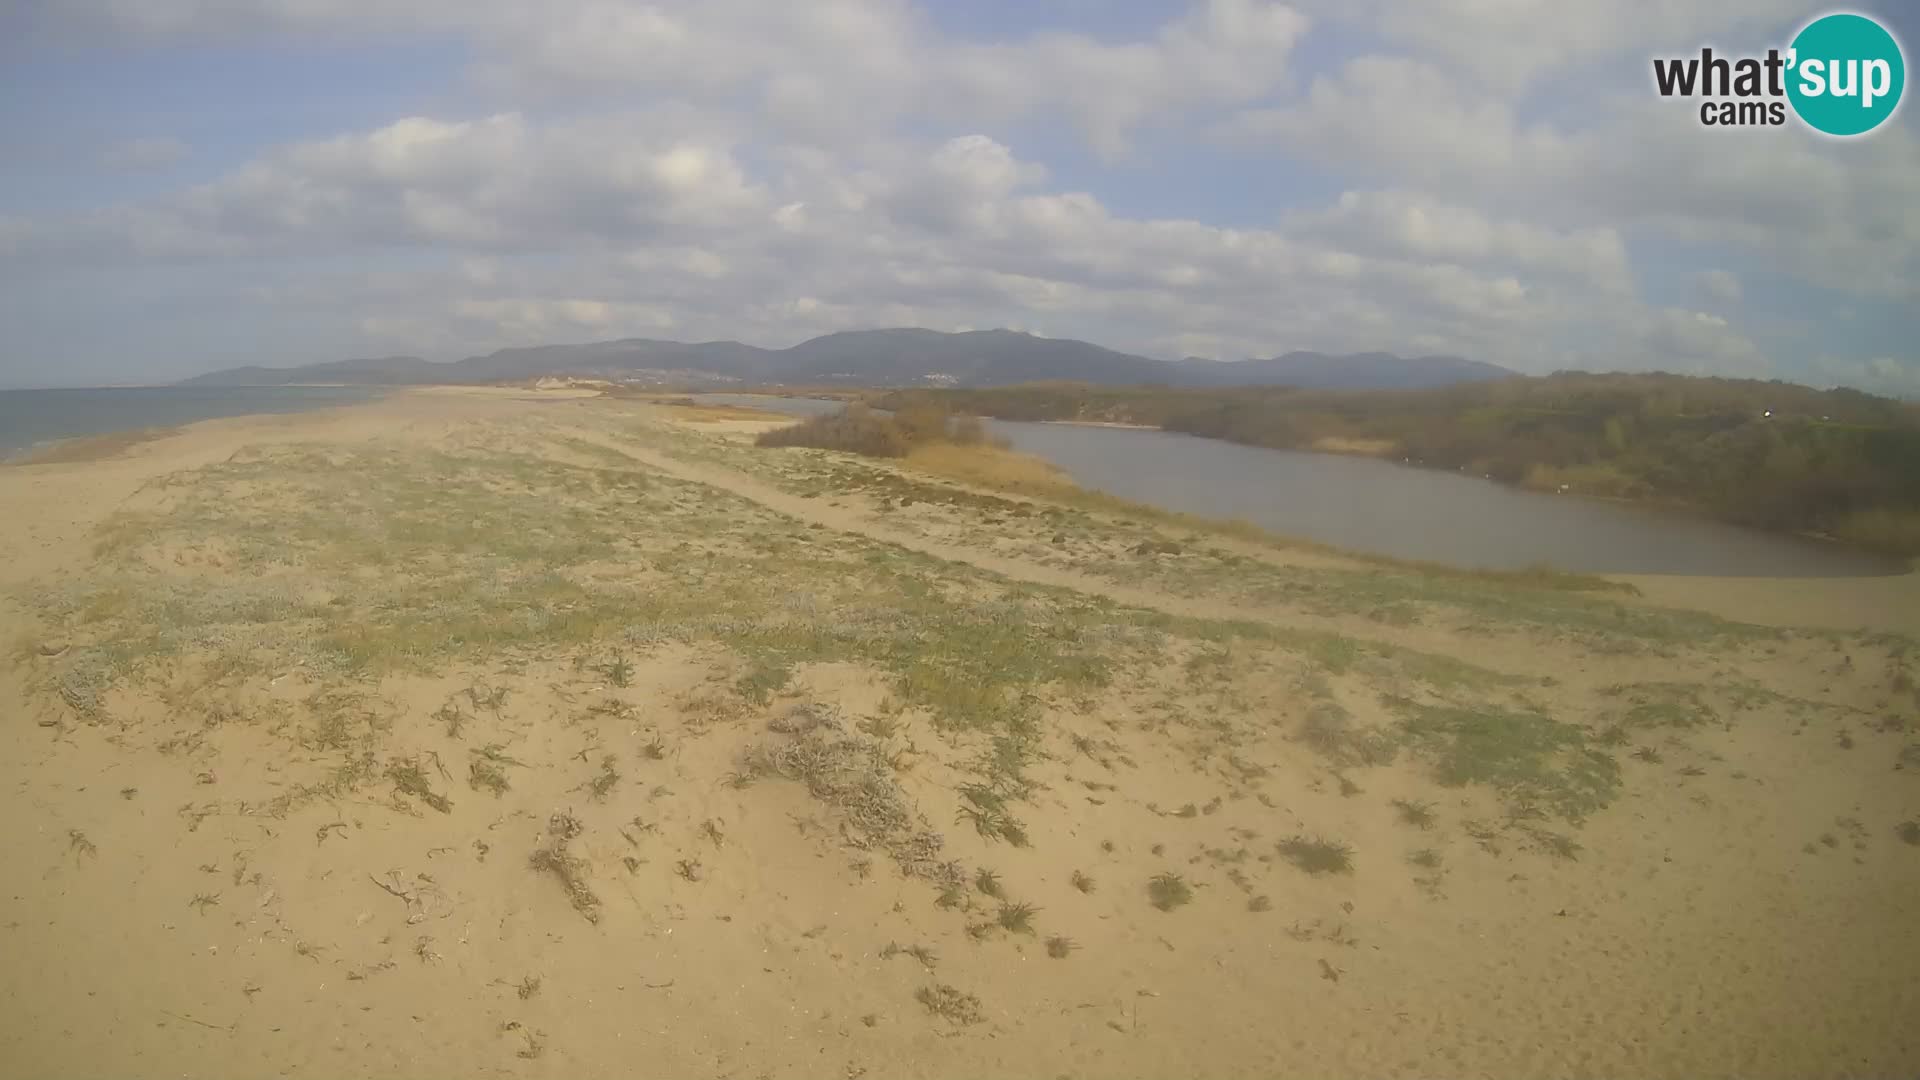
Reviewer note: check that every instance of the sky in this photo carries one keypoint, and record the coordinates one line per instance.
(188, 185)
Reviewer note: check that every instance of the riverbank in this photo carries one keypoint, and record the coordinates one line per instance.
(560, 711)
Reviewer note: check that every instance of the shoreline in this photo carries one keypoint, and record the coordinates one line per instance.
(1910, 561)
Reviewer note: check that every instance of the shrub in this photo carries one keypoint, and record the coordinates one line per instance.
(860, 430)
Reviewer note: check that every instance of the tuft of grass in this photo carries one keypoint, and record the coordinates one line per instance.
(486, 769)
(988, 884)
(1908, 831)
(1559, 845)
(1168, 891)
(1415, 812)
(1060, 947)
(453, 717)
(994, 823)
(78, 843)
(1425, 858)
(618, 671)
(762, 681)
(410, 779)
(491, 698)
(1317, 856)
(606, 780)
(1082, 882)
(1259, 903)
(1016, 918)
(1647, 754)
(951, 897)
(950, 1004)
(557, 860)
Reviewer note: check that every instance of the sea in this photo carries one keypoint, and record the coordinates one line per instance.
(30, 419)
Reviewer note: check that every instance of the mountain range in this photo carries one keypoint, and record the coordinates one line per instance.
(895, 357)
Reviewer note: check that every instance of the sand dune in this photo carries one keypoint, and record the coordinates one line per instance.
(514, 733)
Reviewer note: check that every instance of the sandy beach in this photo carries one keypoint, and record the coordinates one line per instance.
(543, 734)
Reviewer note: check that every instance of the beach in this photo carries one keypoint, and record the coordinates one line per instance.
(541, 733)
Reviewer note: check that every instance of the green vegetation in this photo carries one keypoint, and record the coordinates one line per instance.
(1169, 891)
(1415, 812)
(1534, 761)
(988, 883)
(1016, 918)
(860, 430)
(1768, 454)
(1317, 856)
(950, 1004)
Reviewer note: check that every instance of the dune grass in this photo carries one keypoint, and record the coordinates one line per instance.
(1535, 762)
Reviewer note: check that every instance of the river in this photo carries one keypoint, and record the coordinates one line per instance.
(1386, 508)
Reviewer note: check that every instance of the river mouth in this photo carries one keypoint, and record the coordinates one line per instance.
(1385, 508)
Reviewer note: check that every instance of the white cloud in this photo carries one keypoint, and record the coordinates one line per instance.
(1406, 223)
(493, 184)
(1837, 215)
(766, 170)
(827, 69)
(1508, 43)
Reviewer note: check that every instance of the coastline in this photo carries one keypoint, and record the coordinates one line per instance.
(43, 421)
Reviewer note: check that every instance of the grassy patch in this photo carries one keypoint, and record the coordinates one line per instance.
(950, 1004)
(1316, 855)
(852, 775)
(1414, 812)
(1530, 759)
(1330, 731)
(1169, 891)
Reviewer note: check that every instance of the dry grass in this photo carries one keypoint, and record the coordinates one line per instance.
(688, 411)
(991, 467)
(950, 1004)
(1317, 856)
(557, 860)
(853, 775)
(1169, 891)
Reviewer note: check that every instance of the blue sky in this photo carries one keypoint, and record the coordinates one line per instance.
(195, 185)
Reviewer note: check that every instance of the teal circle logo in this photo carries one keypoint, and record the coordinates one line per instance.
(1846, 74)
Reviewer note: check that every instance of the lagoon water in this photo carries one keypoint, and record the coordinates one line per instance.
(1387, 508)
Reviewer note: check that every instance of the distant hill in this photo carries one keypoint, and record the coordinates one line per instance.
(389, 370)
(893, 357)
(1355, 371)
